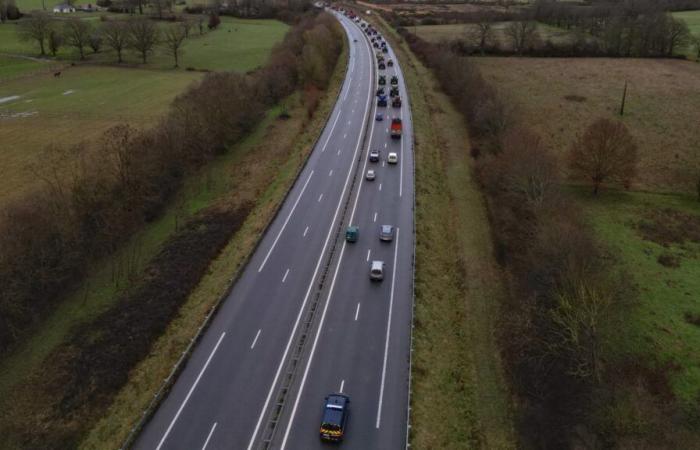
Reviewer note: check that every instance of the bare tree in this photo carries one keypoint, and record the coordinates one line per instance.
(606, 152)
(577, 321)
(161, 6)
(116, 35)
(36, 28)
(143, 36)
(55, 42)
(677, 35)
(173, 38)
(77, 33)
(96, 41)
(481, 32)
(531, 171)
(522, 34)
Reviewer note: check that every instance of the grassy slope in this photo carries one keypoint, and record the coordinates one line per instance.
(459, 394)
(276, 177)
(656, 325)
(661, 96)
(105, 96)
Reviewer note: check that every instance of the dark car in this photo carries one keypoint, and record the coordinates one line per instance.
(390, 63)
(386, 233)
(380, 91)
(385, 50)
(335, 417)
(374, 155)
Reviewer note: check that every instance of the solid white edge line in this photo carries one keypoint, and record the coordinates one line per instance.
(257, 335)
(313, 278)
(388, 331)
(284, 225)
(204, 447)
(187, 397)
(330, 293)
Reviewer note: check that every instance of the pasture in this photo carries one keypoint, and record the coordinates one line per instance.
(94, 95)
(439, 33)
(559, 97)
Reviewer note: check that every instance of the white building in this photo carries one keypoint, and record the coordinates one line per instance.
(63, 8)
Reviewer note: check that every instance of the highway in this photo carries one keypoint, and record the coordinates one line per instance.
(304, 320)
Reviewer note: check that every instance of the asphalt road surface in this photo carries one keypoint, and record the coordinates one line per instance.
(304, 320)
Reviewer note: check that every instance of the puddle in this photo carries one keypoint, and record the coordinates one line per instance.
(9, 99)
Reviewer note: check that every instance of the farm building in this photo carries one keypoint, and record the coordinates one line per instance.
(64, 8)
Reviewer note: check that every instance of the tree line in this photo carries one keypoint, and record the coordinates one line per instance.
(139, 34)
(565, 289)
(51, 237)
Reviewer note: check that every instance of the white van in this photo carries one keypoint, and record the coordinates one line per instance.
(393, 158)
(376, 271)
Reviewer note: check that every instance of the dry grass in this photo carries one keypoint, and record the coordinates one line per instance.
(663, 101)
(273, 180)
(439, 33)
(460, 399)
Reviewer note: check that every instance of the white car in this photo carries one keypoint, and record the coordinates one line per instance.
(393, 158)
(370, 175)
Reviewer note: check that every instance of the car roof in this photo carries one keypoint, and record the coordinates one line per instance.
(386, 228)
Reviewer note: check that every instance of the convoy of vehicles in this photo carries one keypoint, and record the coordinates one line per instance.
(336, 406)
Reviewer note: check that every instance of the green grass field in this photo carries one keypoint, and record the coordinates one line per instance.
(238, 45)
(80, 104)
(691, 18)
(656, 325)
(89, 98)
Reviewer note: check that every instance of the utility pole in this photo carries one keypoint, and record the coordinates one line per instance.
(624, 96)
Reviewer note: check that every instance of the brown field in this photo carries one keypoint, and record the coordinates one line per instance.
(559, 97)
(456, 31)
